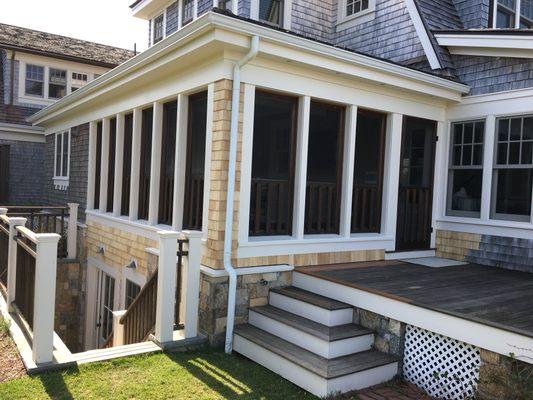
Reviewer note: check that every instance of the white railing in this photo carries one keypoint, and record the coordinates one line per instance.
(38, 301)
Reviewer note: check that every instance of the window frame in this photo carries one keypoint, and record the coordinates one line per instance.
(43, 82)
(496, 167)
(162, 14)
(49, 83)
(451, 167)
(62, 175)
(75, 85)
(285, 15)
(516, 13)
(345, 21)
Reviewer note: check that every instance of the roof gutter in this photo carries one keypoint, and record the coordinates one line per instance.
(228, 235)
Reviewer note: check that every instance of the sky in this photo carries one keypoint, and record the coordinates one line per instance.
(103, 21)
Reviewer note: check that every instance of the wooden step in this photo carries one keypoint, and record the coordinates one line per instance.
(311, 306)
(314, 373)
(325, 341)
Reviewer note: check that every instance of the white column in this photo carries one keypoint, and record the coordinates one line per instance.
(392, 174)
(440, 177)
(104, 169)
(488, 164)
(350, 132)
(166, 286)
(518, 8)
(12, 260)
(119, 165)
(300, 180)
(92, 164)
(135, 164)
(45, 294)
(180, 162)
(191, 284)
(246, 161)
(72, 233)
(155, 165)
(118, 328)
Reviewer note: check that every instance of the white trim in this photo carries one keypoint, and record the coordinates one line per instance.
(21, 133)
(492, 45)
(208, 149)
(350, 131)
(483, 336)
(119, 164)
(514, 229)
(155, 163)
(300, 176)
(61, 181)
(180, 161)
(423, 35)
(404, 255)
(91, 165)
(104, 164)
(349, 21)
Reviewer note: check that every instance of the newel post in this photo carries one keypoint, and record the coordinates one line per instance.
(72, 233)
(44, 297)
(166, 286)
(191, 284)
(118, 328)
(12, 259)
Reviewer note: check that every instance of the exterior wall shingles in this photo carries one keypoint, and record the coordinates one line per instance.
(473, 13)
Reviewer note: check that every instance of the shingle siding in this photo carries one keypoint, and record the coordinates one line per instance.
(25, 172)
(172, 18)
(391, 34)
(490, 74)
(79, 160)
(473, 13)
(204, 6)
(314, 18)
(244, 8)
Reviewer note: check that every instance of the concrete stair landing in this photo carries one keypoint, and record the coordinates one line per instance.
(312, 341)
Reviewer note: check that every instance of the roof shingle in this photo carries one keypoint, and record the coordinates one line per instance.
(14, 37)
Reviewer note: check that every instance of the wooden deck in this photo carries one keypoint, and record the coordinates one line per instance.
(491, 296)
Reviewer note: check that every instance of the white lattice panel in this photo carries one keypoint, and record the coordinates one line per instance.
(444, 367)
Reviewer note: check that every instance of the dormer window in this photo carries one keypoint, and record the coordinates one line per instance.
(187, 12)
(355, 6)
(225, 5)
(506, 11)
(159, 23)
(271, 12)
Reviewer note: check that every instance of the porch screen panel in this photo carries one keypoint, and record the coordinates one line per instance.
(98, 166)
(273, 162)
(194, 178)
(168, 155)
(126, 166)
(324, 169)
(111, 155)
(368, 172)
(146, 157)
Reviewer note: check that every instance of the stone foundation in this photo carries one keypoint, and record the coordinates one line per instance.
(390, 334)
(252, 291)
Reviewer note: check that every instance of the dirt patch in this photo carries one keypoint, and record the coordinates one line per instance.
(11, 366)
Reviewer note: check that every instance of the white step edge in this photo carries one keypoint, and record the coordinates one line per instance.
(115, 352)
(310, 311)
(402, 255)
(308, 380)
(316, 345)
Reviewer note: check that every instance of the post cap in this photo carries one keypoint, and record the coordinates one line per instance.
(47, 237)
(193, 234)
(3, 211)
(17, 221)
(168, 234)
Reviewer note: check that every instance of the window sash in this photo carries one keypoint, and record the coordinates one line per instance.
(62, 154)
(159, 28)
(187, 11)
(34, 78)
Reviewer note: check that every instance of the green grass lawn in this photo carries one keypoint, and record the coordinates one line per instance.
(203, 374)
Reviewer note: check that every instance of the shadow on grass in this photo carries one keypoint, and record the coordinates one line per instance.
(236, 377)
(54, 383)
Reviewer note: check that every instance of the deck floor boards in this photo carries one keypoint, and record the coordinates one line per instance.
(493, 296)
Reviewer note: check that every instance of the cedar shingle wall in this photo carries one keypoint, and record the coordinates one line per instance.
(473, 13)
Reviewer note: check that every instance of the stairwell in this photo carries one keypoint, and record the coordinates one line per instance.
(312, 341)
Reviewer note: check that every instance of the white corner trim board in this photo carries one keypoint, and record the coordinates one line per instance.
(423, 34)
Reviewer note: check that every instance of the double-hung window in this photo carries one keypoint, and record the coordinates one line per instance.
(78, 81)
(187, 12)
(57, 86)
(465, 174)
(511, 14)
(271, 12)
(62, 154)
(513, 169)
(34, 83)
(159, 28)
(356, 6)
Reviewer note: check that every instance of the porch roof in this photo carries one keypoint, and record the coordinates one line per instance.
(235, 32)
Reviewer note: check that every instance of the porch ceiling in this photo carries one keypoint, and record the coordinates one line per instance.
(491, 296)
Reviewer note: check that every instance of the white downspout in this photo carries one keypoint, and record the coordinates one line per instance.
(228, 236)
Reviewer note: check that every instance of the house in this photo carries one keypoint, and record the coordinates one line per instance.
(359, 173)
(37, 69)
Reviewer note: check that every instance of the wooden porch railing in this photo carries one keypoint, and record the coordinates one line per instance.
(414, 218)
(25, 281)
(4, 251)
(321, 208)
(45, 219)
(366, 209)
(269, 209)
(139, 320)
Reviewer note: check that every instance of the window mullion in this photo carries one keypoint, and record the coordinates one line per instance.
(302, 143)
(348, 171)
(488, 166)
